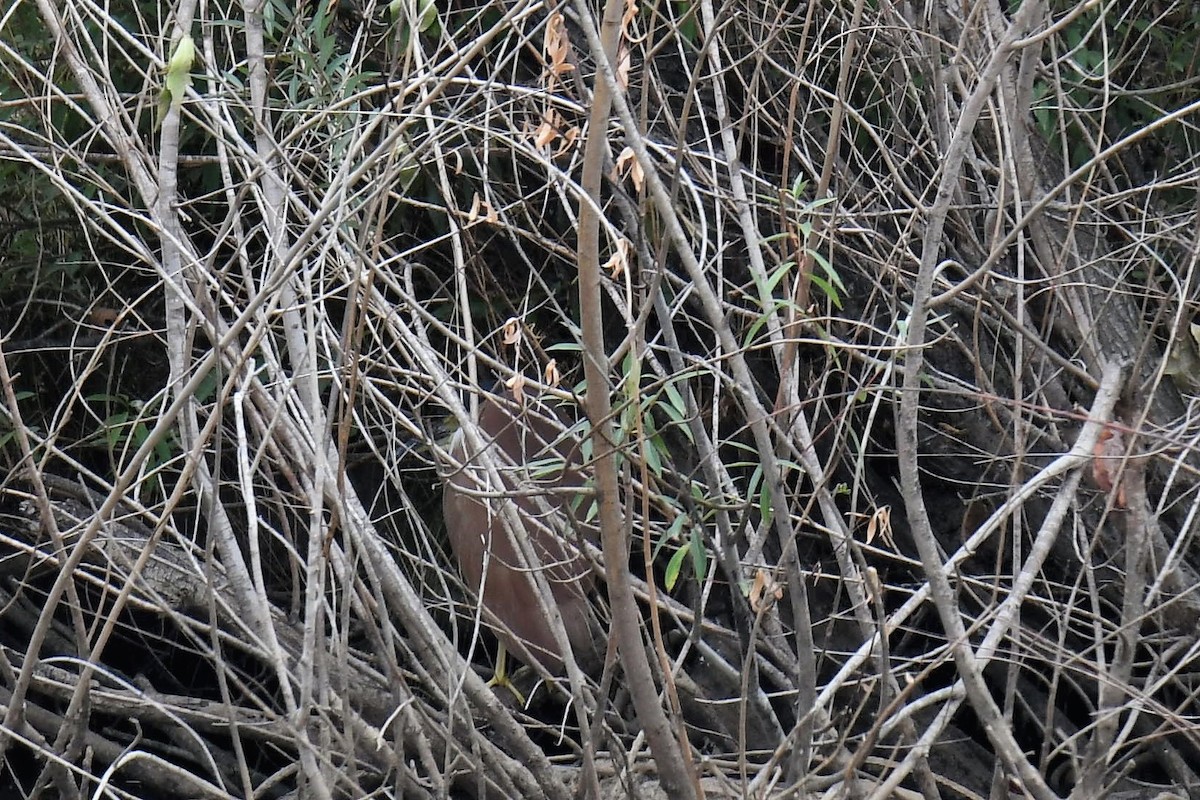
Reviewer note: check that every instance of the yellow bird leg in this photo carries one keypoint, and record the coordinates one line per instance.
(500, 677)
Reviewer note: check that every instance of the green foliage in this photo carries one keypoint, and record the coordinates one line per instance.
(657, 409)
(692, 548)
(687, 14)
(803, 212)
(409, 14)
(178, 76)
(1117, 75)
(821, 275)
(123, 427)
(314, 74)
(8, 431)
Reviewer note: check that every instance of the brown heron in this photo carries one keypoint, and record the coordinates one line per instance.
(540, 468)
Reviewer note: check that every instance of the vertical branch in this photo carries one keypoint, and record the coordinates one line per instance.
(300, 341)
(803, 669)
(677, 779)
(1114, 690)
(907, 420)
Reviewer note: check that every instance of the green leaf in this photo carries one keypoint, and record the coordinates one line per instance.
(653, 457)
(409, 167)
(632, 370)
(164, 452)
(426, 14)
(824, 264)
(675, 566)
(676, 398)
(671, 535)
(699, 555)
(676, 415)
(593, 511)
(179, 69)
(764, 505)
(179, 76)
(775, 277)
(827, 290)
(688, 27)
(114, 430)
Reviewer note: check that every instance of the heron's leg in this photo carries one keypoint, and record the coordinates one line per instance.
(500, 677)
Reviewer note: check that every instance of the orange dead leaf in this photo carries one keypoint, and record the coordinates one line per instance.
(764, 590)
(627, 164)
(516, 385)
(1107, 458)
(557, 45)
(551, 375)
(624, 61)
(549, 130)
(873, 585)
(544, 135)
(568, 140)
(481, 207)
(619, 260)
(631, 12)
(512, 330)
(880, 524)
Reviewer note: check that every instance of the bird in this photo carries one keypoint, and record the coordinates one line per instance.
(541, 470)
